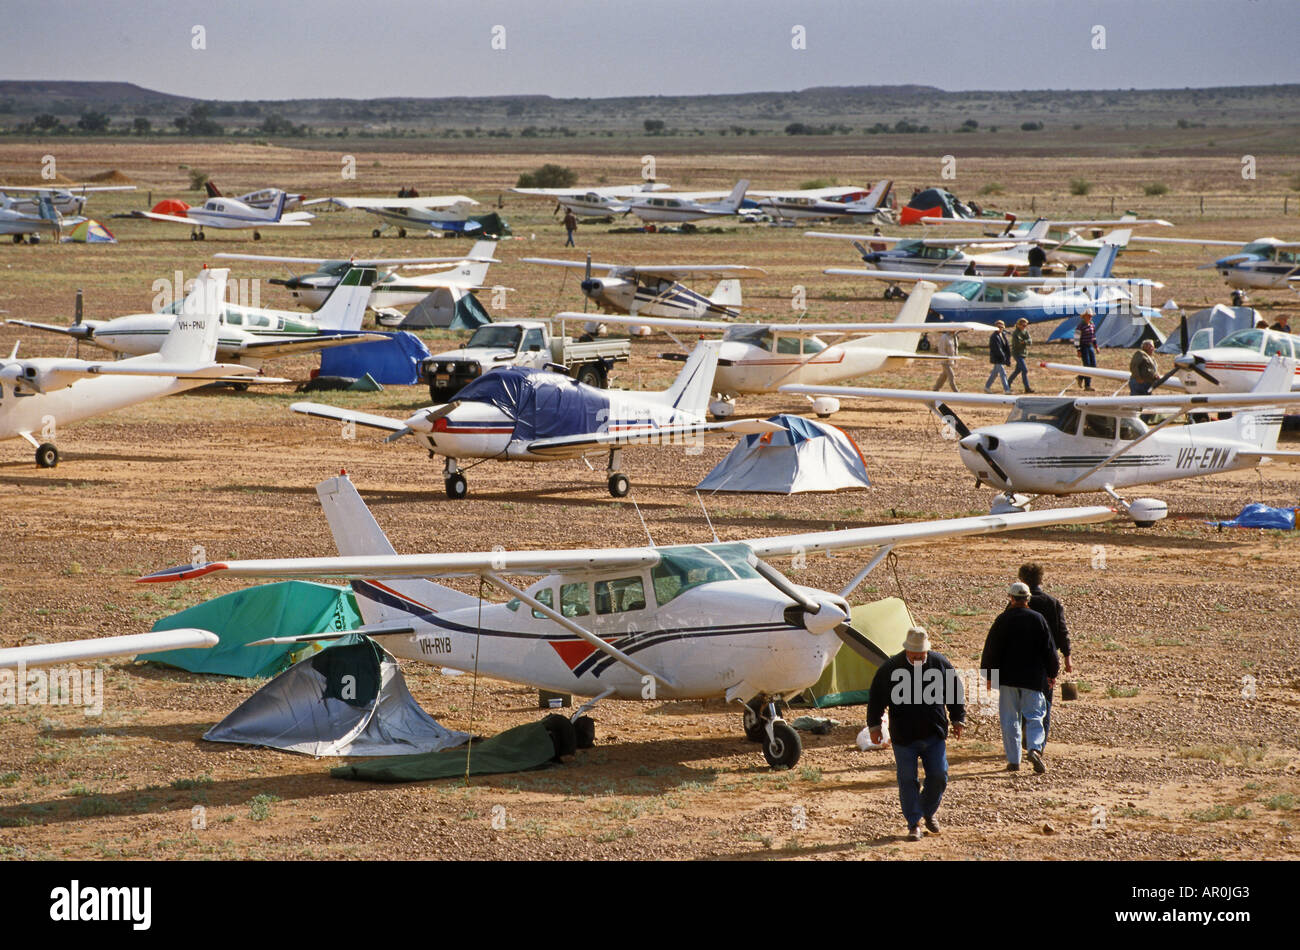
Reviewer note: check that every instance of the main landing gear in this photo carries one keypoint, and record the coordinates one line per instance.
(763, 723)
(197, 235)
(453, 481)
(47, 456)
(619, 485)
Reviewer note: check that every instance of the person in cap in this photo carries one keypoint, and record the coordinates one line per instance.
(920, 689)
(1142, 370)
(999, 356)
(1019, 661)
(1054, 613)
(1085, 343)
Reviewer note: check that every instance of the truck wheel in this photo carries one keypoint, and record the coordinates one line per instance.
(590, 374)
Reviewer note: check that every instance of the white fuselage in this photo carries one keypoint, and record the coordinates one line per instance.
(745, 367)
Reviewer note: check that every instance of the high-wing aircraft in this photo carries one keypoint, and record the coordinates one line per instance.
(941, 256)
(654, 289)
(246, 335)
(262, 198)
(1068, 241)
(689, 621)
(681, 206)
(391, 289)
(46, 219)
(835, 202)
(1262, 264)
(760, 357)
(600, 202)
(434, 213)
(1066, 445)
(66, 199)
(528, 415)
(36, 395)
(231, 214)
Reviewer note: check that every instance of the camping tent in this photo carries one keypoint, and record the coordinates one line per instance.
(807, 456)
(847, 681)
(91, 231)
(1219, 319)
(446, 307)
(285, 609)
(350, 699)
(395, 360)
(1114, 330)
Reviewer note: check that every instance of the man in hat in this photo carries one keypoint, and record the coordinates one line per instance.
(1020, 651)
(1085, 344)
(947, 348)
(1142, 370)
(920, 688)
(1054, 614)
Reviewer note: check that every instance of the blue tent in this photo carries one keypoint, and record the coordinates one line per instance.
(395, 360)
(804, 456)
(1256, 515)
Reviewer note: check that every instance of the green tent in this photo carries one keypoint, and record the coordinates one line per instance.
(285, 609)
(847, 681)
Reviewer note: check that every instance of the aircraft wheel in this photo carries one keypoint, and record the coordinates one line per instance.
(619, 485)
(202, 236)
(257, 235)
(753, 724)
(18, 239)
(34, 239)
(194, 235)
(456, 486)
(401, 232)
(47, 456)
(239, 387)
(374, 233)
(782, 751)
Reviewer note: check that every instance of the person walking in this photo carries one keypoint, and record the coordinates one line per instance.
(1047, 605)
(1036, 258)
(570, 225)
(1019, 661)
(947, 348)
(1020, 341)
(918, 724)
(1085, 342)
(999, 356)
(1142, 370)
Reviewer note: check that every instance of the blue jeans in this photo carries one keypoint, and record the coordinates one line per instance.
(998, 373)
(1015, 703)
(569, 242)
(1088, 356)
(1021, 370)
(921, 802)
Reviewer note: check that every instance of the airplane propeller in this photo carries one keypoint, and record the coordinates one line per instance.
(426, 421)
(817, 617)
(1185, 361)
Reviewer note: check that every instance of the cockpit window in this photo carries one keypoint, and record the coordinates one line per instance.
(1099, 427)
(754, 336)
(1244, 339)
(1130, 429)
(813, 345)
(681, 568)
(1057, 413)
(787, 344)
(575, 599)
(970, 289)
(622, 594)
(1276, 344)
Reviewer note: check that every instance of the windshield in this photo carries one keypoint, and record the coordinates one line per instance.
(495, 336)
(1244, 339)
(1057, 413)
(754, 336)
(682, 568)
(970, 289)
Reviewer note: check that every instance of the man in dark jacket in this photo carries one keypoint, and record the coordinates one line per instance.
(916, 686)
(1020, 653)
(999, 356)
(570, 225)
(1054, 614)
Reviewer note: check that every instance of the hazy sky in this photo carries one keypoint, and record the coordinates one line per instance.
(344, 48)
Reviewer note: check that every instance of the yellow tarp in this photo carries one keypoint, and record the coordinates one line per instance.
(847, 681)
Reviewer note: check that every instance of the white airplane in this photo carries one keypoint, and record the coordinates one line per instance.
(437, 212)
(45, 220)
(760, 357)
(262, 198)
(601, 202)
(231, 214)
(1066, 445)
(66, 199)
(38, 394)
(247, 335)
(682, 206)
(654, 290)
(392, 289)
(1068, 241)
(690, 621)
(1262, 264)
(835, 202)
(528, 415)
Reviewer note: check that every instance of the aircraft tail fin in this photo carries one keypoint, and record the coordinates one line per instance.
(213, 190)
(477, 270)
(914, 310)
(1103, 263)
(880, 194)
(345, 307)
(691, 390)
(1038, 230)
(193, 337)
(726, 294)
(1262, 426)
(357, 533)
(733, 200)
(277, 209)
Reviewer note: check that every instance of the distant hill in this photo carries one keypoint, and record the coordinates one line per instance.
(32, 96)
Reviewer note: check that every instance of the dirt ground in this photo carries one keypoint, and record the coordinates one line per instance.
(1183, 742)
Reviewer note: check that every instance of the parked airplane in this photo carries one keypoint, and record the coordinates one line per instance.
(836, 202)
(262, 198)
(653, 290)
(529, 415)
(941, 256)
(38, 394)
(689, 621)
(21, 224)
(66, 199)
(1066, 445)
(760, 357)
(435, 213)
(1262, 264)
(246, 335)
(1067, 241)
(681, 206)
(601, 202)
(227, 214)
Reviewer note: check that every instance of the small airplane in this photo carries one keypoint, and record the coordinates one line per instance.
(938, 206)
(682, 206)
(601, 202)
(529, 415)
(435, 213)
(246, 335)
(231, 214)
(263, 198)
(1036, 299)
(676, 622)
(38, 394)
(1066, 241)
(835, 202)
(390, 290)
(760, 357)
(46, 219)
(654, 290)
(1262, 264)
(1067, 445)
(66, 199)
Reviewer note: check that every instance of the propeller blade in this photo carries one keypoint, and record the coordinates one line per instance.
(1182, 334)
(586, 276)
(397, 435)
(946, 413)
(856, 641)
(984, 454)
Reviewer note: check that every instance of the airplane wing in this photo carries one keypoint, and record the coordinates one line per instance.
(905, 395)
(667, 435)
(1175, 401)
(47, 189)
(73, 330)
(155, 216)
(1284, 455)
(1047, 283)
(1116, 374)
(322, 411)
(925, 531)
(265, 349)
(673, 323)
(359, 262)
(836, 235)
(48, 654)
(436, 201)
(1201, 241)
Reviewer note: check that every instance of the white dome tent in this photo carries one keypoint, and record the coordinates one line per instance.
(808, 456)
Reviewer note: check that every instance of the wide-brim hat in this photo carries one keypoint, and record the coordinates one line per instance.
(916, 641)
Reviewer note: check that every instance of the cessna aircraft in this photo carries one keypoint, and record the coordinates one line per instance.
(682, 206)
(691, 621)
(653, 290)
(21, 224)
(246, 335)
(231, 214)
(391, 290)
(759, 357)
(1066, 445)
(1263, 264)
(529, 415)
(262, 198)
(601, 202)
(1065, 241)
(435, 213)
(66, 199)
(942, 256)
(835, 202)
(38, 394)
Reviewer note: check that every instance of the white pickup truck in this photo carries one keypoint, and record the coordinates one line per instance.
(522, 343)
